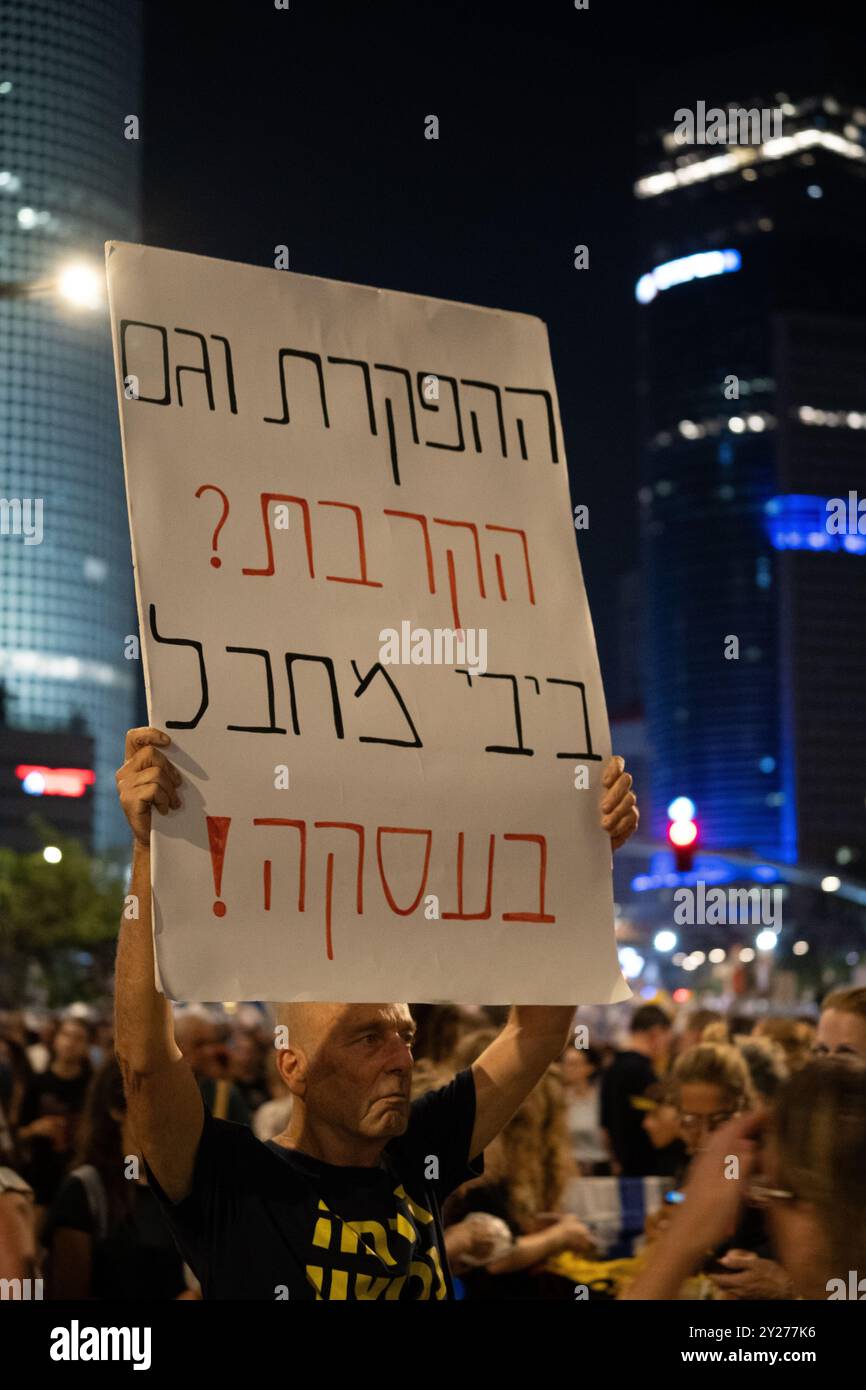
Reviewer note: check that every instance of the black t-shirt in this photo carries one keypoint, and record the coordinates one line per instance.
(623, 1088)
(137, 1259)
(266, 1222)
(48, 1094)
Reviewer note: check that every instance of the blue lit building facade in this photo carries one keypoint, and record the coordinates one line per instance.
(69, 179)
(753, 415)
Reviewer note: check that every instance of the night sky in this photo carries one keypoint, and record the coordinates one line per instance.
(306, 128)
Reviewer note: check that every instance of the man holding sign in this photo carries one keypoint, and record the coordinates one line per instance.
(345, 1204)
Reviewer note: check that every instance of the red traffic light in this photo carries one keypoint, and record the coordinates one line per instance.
(682, 833)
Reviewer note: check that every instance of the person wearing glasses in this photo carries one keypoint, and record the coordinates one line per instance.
(710, 1086)
(802, 1164)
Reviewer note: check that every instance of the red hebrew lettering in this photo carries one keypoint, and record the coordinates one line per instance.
(422, 521)
(452, 585)
(362, 553)
(301, 827)
(267, 498)
(217, 834)
(267, 884)
(470, 526)
(212, 487)
(359, 891)
(460, 915)
(540, 915)
(402, 830)
(515, 531)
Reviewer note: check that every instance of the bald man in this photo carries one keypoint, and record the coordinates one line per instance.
(345, 1203)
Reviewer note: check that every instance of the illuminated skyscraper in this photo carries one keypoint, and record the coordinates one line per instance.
(69, 180)
(752, 308)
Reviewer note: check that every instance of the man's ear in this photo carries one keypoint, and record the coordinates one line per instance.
(292, 1066)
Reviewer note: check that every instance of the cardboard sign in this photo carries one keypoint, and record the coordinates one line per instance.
(364, 627)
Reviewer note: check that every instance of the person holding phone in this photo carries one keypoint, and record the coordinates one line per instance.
(802, 1164)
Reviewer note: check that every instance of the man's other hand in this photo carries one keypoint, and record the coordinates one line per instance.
(619, 813)
(145, 780)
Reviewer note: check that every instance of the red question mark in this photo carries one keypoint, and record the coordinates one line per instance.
(211, 487)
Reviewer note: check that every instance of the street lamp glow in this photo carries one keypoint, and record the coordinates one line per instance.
(631, 962)
(52, 855)
(766, 940)
(80, 285)
(747, 954)
(800, 948)
(717, 955)
(831, 884)
(665, 940)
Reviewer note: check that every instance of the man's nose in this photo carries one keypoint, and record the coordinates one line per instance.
(400, 1056)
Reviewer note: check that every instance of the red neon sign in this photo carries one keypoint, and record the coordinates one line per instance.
(55, 781)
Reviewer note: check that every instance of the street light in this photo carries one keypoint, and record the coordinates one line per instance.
(79, 283)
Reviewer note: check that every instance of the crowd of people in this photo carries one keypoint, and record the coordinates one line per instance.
(644, 1111)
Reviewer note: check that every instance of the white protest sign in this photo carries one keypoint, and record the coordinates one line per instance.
(364, 628)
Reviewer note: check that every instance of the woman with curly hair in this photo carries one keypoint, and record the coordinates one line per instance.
(525, 1172)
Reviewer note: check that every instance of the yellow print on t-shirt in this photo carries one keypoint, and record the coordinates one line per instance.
(407, 1253)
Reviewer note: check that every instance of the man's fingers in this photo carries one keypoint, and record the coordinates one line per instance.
(613, 768)
(139, 738)
(623, 808)
(626, 830)
(153, 784)
(621, 785)
(144, 758)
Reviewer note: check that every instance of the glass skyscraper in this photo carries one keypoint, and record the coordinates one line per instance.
(69, 180)
(752, 312)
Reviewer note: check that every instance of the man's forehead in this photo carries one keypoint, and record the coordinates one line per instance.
(354, 1015)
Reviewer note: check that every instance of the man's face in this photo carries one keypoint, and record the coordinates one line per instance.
(841, 1033)
(71, 1042)
(659, 1040)
(359, 1070)
(200, 1048)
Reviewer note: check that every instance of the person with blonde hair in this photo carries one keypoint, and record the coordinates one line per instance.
(526, 1170)
(803, 1164)
(842, 1025)
(794, 1035)
(709, 1084)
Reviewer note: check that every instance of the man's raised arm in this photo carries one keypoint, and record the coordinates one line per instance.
(165, 1107)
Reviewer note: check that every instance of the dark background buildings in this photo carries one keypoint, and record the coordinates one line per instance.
(304, 127)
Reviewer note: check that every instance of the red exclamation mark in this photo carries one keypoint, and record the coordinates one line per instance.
(218, 833)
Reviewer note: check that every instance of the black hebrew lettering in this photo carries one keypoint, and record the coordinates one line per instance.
(532, 391)
(230, 375)
(521, 748)
(126, 324)
(197, 647)
(203, 370)
(460, 446)
(365, 368)
(415, 741)
(270, 728)
(497, 395)
(291, 658)
(588, 754)
(389, 416)
(309, 357)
